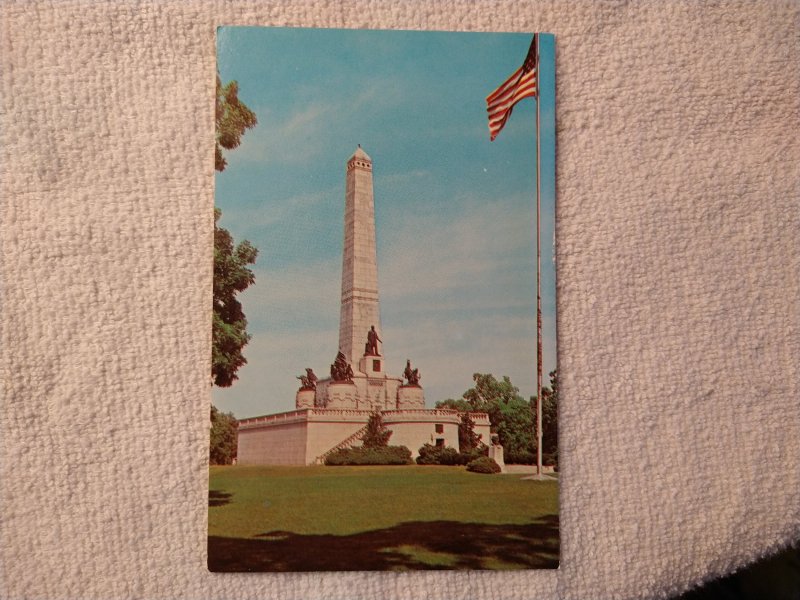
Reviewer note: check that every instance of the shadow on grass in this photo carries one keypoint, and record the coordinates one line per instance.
(217, 498)
(414, 545)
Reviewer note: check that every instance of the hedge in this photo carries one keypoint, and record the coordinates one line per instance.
(519, 457)
(526, 457)
(388, 455)
(439, 455)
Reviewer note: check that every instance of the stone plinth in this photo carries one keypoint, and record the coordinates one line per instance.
(371, 365)
(304, 399)
(342, 395)
(410, 396)
(496, 452)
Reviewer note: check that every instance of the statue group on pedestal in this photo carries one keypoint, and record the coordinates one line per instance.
(341, 371)
(308, 381)
(412, 375)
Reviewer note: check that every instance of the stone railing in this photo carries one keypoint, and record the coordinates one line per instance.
(416, 414)
(285, 417)
(306, 414)
(351, 414)
(338, 414)
(479, 418)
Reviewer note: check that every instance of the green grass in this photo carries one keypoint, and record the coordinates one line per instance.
(378, 518)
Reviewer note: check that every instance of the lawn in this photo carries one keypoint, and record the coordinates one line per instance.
(378, 518)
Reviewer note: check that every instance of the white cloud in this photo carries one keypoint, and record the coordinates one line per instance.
(304, 134)
(394, 179)
(270, 213)
(488, 248)
(267, 384)
(294, 298)
(282, 141)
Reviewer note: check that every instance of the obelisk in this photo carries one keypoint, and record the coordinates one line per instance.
(360, 304)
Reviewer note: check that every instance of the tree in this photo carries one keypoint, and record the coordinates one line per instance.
(468, 440)
(510, 415)
(460, 405)
(515, 427)
(550, 415)
(376, 436)
(223, 437)
(231, 276)
(231, 272)
(489, 392)
(232, 118)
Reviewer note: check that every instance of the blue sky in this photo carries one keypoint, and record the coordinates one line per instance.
(455, 213)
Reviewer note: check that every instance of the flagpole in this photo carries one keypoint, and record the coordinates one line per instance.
(525, 83)
(538, 276)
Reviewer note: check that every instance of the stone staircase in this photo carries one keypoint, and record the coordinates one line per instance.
(345, 443)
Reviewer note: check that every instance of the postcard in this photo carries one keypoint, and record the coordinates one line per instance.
(384, 372)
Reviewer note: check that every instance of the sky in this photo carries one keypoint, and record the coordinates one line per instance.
(455, 214)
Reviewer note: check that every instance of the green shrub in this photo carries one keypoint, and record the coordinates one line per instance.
(484, 464)
(387, 455)
(441, 455)
(450, 457)
(525, 457)
(468, 457)
(429, 455)
(223, 440)
(519, 457)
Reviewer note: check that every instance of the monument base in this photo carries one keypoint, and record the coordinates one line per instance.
(371, 365)
(304, 398)
(410, 396)
(342, 395)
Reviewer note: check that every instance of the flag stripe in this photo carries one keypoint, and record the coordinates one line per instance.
(498, 115)
(523, 83)
(505, 86)
(508, 101)
(504, 103)
(511, 83)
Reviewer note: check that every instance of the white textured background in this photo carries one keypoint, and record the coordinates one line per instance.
(679, 279)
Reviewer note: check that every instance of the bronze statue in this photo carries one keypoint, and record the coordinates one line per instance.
(412, 375)
(372, 342)
(341, 371)
(308, 381)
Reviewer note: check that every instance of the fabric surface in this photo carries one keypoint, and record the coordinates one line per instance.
(678, 284)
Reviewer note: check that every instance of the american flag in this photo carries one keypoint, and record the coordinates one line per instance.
(521, 84)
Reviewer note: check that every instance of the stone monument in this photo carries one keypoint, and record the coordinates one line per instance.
(332, 412)
(360, 309)
(366, 385)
